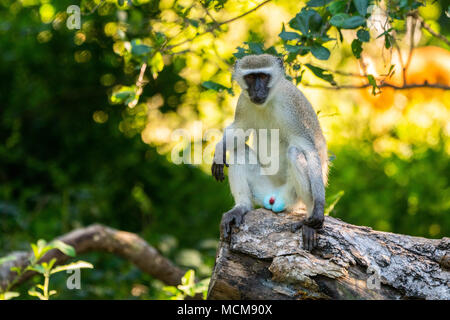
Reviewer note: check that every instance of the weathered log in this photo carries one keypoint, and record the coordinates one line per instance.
(265, 260)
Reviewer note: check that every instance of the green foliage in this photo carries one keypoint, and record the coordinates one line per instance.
(216, 87)
(188, 287)
(46, 269)
(321, 73)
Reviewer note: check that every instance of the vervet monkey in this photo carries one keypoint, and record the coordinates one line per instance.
(270, 101)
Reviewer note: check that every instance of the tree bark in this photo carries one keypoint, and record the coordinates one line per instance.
(265, 260)
(101, 238)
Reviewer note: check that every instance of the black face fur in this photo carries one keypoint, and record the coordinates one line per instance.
(257, 84)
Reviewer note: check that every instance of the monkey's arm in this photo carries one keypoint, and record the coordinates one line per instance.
(220, 153)
(308, 171)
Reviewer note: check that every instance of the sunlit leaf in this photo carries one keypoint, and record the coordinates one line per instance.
(32, 292)
(8, 295)
(73, 266)
(320, 52)
(321, 73)
(334, 199)
(64, 248)
(37, 268)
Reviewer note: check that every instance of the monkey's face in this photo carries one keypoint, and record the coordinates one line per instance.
(257, 86)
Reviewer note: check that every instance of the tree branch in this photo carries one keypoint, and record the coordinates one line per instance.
(245, 13)
(384, 85)
(101, 238)
(427, 27)
(217, 25)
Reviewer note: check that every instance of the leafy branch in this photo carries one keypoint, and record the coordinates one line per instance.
(46, 269)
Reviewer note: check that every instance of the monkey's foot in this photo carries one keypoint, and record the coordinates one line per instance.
(309, 234)
(233, 217)
(274, 202)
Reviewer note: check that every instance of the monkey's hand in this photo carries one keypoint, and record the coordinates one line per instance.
(217, 170)
(233, 217)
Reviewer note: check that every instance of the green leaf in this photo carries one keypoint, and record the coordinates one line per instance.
(334, 200)
(285, 35)
(361, 6)
(40, 248)
(339, 19)
(337, 7)
(17, 270)
(157, 62)
(357, 48)
(193, 22)
(302, 19)
(363, 35)
(9, 295)
(211, 85)
(138, 48)
(124, 93)
(68, 250)
(317, 3)
(256, 47)
(37, 268)
(73, 266)
(188, 283)
(32, 292)
(373, 83)
(240, 53)
(271, 50)
(388, 41)
(353, 22)
(293, 49)
(188, 278)
(170, 289)
(320, 52)
(321, 73)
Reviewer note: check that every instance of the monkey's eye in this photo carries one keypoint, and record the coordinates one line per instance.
(250, 77)
(263, 76)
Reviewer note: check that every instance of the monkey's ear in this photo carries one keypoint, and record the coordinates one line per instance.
(280, 62)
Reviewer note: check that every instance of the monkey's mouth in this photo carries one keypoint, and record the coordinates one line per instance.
(258, 99)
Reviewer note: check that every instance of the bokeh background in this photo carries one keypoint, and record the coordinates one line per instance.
(72, 152)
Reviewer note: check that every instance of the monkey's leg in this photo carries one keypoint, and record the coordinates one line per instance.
(240, 189)
(248, 186)
(306, 168)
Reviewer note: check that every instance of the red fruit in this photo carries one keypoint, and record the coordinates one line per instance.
(272, 200)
